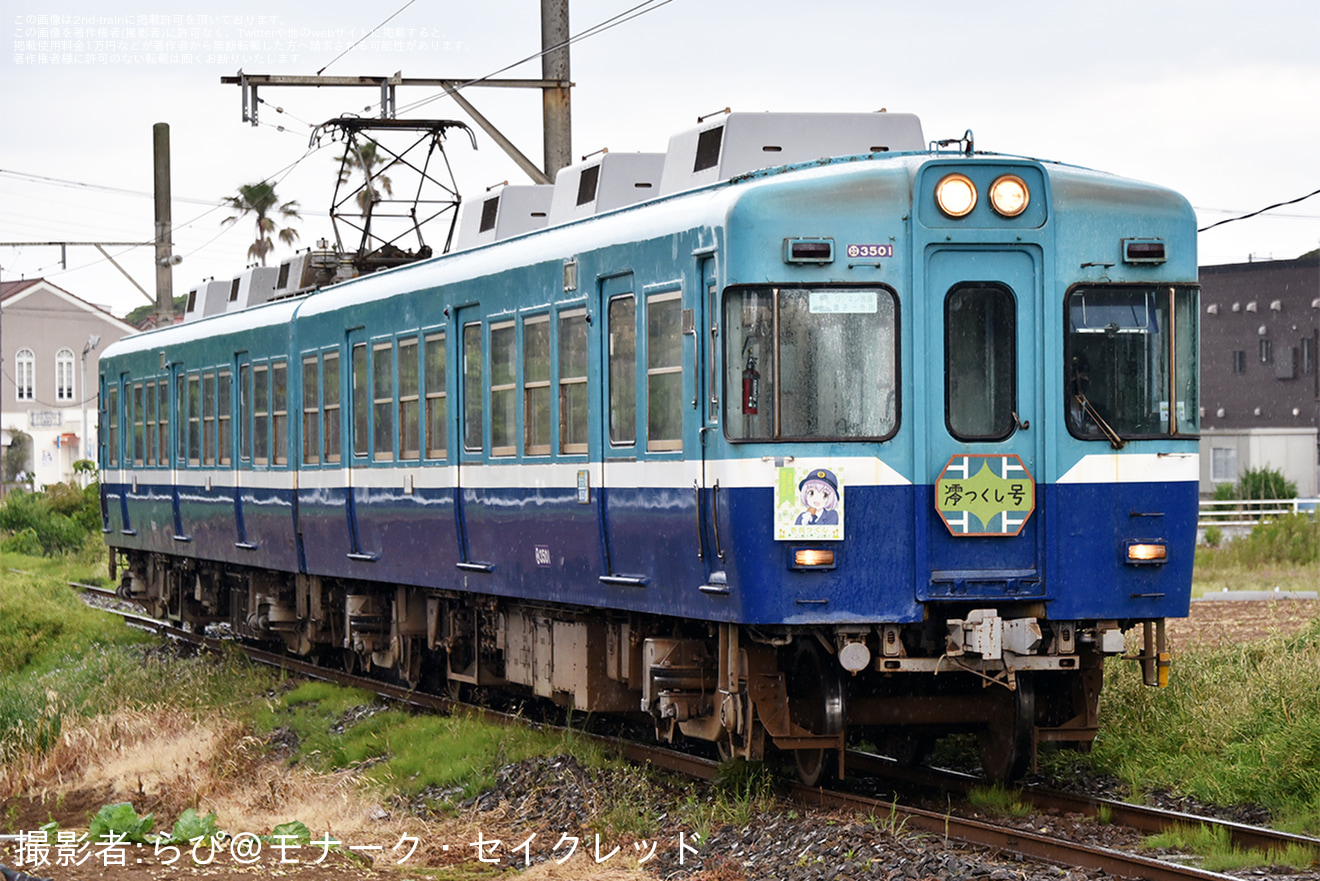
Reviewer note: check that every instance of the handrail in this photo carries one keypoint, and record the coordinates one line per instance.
(1249, 512)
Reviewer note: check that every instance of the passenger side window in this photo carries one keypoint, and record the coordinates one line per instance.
(410, 429)
(223, 403)
(503, 390)
(311, 421)
(382, 401)
(573, 381)
(437, 425)
(330, 396)
(664, 371)
(279, 411)
(536, 386)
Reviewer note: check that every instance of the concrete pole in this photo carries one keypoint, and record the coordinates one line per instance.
(164, 246)
(556, 112)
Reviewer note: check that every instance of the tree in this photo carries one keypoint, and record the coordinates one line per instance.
(260, 199)
(364, 158)
(18, 458)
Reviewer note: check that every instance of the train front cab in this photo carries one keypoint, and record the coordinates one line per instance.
(1013, 496)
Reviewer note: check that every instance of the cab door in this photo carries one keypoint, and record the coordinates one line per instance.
(983, 425)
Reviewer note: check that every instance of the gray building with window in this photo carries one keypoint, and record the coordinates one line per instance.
(48, 338)
(1260, 385)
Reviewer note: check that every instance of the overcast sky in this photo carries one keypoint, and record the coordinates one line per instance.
(1218, 100)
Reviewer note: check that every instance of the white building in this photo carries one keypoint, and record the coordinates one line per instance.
(50, 342)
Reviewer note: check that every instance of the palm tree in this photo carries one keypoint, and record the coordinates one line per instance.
(260, 199)
(364, 158)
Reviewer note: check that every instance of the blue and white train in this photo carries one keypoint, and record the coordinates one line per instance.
(801, 430)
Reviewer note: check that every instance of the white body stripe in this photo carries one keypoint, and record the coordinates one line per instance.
(663, 474)
(1135, 468)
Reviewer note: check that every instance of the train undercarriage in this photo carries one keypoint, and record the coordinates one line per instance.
(1007, 674)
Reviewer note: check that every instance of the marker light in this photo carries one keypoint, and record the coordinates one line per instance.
(1147, 552)
(813, 558)
(1009, 195)
(956, 195)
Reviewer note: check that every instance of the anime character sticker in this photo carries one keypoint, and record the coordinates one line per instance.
(809, 504)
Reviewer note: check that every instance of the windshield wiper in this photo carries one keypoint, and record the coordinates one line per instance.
(1087, 407)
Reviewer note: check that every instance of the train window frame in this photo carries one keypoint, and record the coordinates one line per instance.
(261, 412)
(224, 418)
(151, 420)
(744, 382)
(574, 419)
(664, 380)
(138, 410)
(503, 349)
(381, 385)
(621, 357)
(537, 380)
(210, 441)
(163, 451)
(112, 424)
(408, 410)
(311, 408)
(279, 412)
(332, 404)
(435, 376)
(194, 422)
(1001, 397)
(1171, 324)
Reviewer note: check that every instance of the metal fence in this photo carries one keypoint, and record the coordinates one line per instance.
(1249, 512)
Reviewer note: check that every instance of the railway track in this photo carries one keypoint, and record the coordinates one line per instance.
(1002, 838)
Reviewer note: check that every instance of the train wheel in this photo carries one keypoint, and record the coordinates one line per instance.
(815, 702)
(410, 663)
(348, 659)
(1008, 743)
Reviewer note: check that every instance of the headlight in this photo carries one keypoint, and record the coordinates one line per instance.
(1147, 552)
(956, 195)
(1009, 195)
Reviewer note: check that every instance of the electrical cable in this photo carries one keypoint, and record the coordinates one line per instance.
(1261, 211)
(622, 18)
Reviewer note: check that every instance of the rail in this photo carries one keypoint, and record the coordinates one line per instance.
(1249, 512)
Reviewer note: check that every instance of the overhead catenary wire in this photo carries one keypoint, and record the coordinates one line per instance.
(601, 27)
(1260, 211)
(614, 21)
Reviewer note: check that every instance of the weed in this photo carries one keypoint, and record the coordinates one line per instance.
(1216, 852)
(998, 801)
(1238, 724)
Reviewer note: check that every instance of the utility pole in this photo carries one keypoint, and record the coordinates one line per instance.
(556, 115)
(164, 247)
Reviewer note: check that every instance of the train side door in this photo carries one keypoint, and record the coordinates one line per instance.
(983, 420)
(357, 456)
(470, 442)
(706, 399)
(618, 368)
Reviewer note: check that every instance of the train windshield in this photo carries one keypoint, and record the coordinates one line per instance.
(810, 364)
(1132, 363)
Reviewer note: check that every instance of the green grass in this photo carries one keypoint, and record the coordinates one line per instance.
(1217, 853)
(1237, 725)
(998, 801)
(399, 750)
(1282, 553)
(61, 659)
